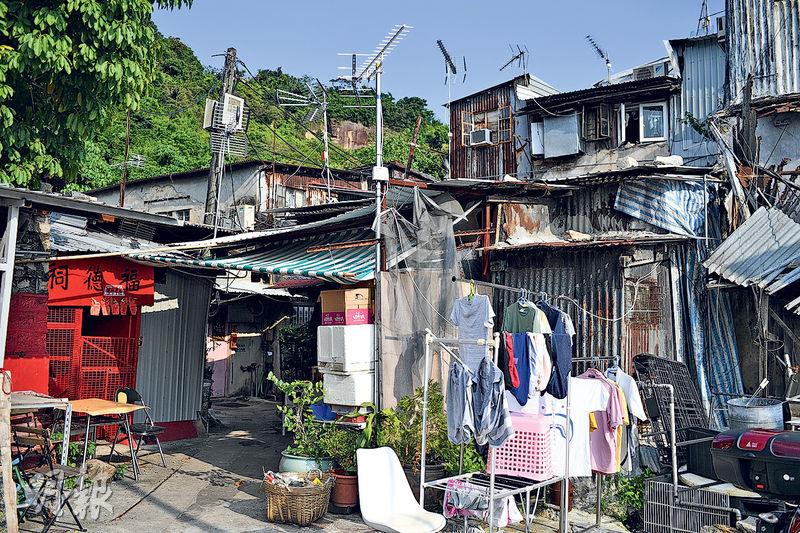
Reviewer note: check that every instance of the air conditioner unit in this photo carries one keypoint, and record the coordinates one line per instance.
(480, 137)
(246, 217)
(651, 71)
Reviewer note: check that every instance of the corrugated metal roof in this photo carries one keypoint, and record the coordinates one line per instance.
(70, 233)
(760, 252)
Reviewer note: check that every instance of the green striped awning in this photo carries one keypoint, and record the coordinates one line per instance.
(292, 257)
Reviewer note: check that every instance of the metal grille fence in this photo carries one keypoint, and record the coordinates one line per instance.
(693, 510)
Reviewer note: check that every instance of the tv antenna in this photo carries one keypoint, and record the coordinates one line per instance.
(519, 55)
(316, 102)
(372, 67)
(705, 19)
(450, 70)
(601, 53)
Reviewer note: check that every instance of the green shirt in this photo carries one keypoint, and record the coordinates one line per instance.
(525, 319)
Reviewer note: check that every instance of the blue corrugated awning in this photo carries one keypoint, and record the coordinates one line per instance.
(292, 257)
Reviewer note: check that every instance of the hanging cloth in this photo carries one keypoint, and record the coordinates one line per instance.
(492, 419)
(460, 423)
(507, 362)
(603, 441)
(518, 318)
(561, 343)
(473, 317)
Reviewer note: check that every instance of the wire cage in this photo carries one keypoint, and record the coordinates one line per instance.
(693, 509)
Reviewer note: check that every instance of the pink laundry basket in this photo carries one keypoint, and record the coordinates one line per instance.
(528, 453)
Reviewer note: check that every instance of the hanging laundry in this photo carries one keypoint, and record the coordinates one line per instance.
(561, 342)
(585, 397)
(460, 423)
(604, 440)
(489, 408)
(522, 363)
(519, 318)
(506, 361)
(630, 463)
(540, 362)
(473, 318)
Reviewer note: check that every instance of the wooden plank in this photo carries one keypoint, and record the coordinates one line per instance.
(9, 487)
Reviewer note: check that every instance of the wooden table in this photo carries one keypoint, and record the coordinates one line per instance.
(100, 407)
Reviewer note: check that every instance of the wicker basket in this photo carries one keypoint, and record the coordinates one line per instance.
(299, 505)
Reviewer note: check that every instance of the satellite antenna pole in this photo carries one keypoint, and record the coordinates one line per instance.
(218, 156)
(450, 71)
(602, 54)
(318, 105)
(373, 66)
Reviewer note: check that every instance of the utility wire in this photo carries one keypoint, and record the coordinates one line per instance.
(290, 116)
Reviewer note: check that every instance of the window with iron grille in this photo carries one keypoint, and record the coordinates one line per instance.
(498, 122)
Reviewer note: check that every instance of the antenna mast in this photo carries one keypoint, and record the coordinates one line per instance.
(450, 70)
(318, 105)
(602, 54)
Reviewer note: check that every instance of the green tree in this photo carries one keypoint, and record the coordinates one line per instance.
(65, 66)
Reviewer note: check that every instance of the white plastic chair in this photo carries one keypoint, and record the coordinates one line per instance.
(387, 503)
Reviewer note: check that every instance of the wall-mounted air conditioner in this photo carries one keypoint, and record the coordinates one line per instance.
(480, 137)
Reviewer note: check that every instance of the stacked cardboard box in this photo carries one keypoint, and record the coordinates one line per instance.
(346, 346)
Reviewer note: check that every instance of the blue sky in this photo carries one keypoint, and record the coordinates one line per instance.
(303, 37)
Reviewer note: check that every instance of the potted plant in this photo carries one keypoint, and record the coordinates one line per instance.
(342, 445)
(401, 429)
(307, 450)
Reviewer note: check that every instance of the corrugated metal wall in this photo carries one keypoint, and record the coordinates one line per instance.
(592, 277)
(702, 94)
(173, 351)
(488, 162)
(763, 37)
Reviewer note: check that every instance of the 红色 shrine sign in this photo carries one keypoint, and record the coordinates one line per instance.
(88, 282)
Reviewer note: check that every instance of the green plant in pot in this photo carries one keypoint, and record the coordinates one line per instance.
(400, 428)
(342, 445)
(307, 450)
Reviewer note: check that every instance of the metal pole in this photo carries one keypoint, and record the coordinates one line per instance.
(425, 374)
(124, 181)
(563, 517)
(327, 168)
(378, 202)
(8, 248)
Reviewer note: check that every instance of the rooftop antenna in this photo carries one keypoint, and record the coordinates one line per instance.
(519, 55)
(464, 79)
(316, 101)
(705, 19)
(601, 53)
(372, 67)
(450, 70)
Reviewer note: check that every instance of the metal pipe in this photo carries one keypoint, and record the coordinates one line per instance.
(425, 373)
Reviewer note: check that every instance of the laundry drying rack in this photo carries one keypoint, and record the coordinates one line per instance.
(494, 487)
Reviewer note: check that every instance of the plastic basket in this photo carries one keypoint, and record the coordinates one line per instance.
(528, 453)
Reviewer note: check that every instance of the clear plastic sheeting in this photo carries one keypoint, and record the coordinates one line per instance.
(417, 292)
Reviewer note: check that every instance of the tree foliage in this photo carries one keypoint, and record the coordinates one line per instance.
(64, 66)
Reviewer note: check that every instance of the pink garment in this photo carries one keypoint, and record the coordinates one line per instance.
(603, 440)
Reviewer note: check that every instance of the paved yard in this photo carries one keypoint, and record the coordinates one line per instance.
(212, 483)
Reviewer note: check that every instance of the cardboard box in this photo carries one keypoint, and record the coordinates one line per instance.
(347, 307)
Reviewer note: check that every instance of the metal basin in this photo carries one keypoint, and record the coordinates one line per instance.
(761, 413)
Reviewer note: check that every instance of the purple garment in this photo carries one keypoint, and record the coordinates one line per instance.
(603, 440)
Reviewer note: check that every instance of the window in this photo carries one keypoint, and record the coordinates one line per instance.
(178, 214)
(596, 124)
(498, 122)
(653, 122)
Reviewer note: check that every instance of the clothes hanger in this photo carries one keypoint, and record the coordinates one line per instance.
(523, 299)
(612, 370)
(471, 295)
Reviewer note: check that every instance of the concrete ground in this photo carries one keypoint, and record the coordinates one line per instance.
(212, 483)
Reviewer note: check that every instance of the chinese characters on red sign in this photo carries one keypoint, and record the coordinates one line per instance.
(85, 282)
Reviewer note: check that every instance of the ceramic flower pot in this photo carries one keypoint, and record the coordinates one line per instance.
(345, 491)
(298, 463)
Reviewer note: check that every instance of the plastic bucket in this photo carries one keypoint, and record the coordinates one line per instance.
(756, 413)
